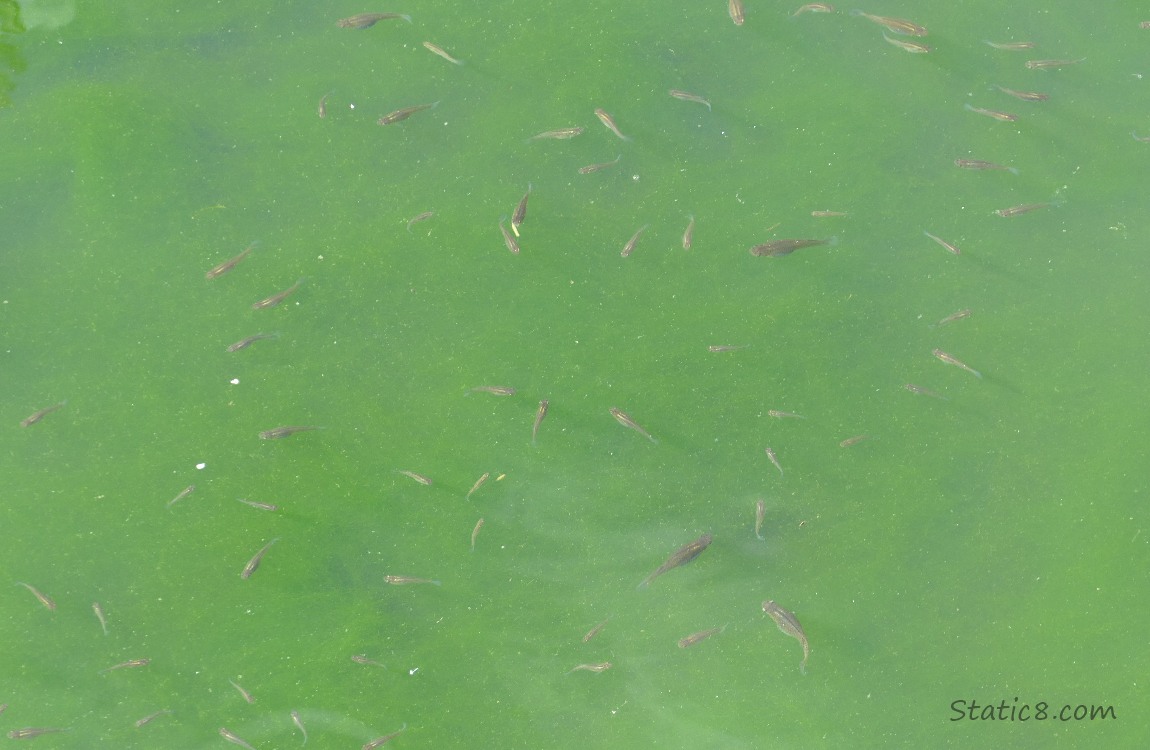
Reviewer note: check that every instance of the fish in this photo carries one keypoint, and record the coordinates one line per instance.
(631, 243)
(436, 49)
(591, 168)
(183, 493)
(1000, 116)
(232, 738)
(777, 248)
(944, 357)
(321, 110)
(1025, 208)
(478, 483)
(152, 717)
(255, 504)
(1047, 64)
(689, 97)
(694, 638)
(40, 596)
(540, 414)
(789, 625)
(609, 123)
(595, 631)
(229, 264)
(400, 115)
(33, 419)
(299, 725)
(283, 432)
(783, 414)
(681, 556)
(908, 46)
(827, 214)
(425, 481)
(774, 459)
(760, 514)
(254, 563)
(405, 580)
(130, 664)
(561, 134)
(814, 8)
(964, 313)
(977, 164)
(30, 732)
(367, 20)
(602, 666)
(379, 741)
(275, 299)
(494, 390)
(508, 240)
(99, 612)
(853, 441)
(246, 695)
(689, 233)
(1010, 46)
(626, 421)
(367, 662)
(920, 391)
(720, 348)
(736, 12)
(895, 25)
(418, 218)
(520, 214)
(951, 248)
(1026, 96)
(475, 533)
(245, 343)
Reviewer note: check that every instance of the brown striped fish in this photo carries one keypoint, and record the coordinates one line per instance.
(367, 20)
(229, 264)
(681, 556)
(790, 625)
(277, 298)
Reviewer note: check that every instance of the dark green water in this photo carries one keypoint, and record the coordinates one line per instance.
(989, 546)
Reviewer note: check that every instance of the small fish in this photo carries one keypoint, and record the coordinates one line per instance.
(508, 240)
(774, 459)
(1026, 208)
(950, 248)
(321, 110)
(694, 638)
(30, 732)
(418, 218)
(283, 432)
(275, 299)
(1026, 96)
(814, 8)
(631, 243)
(976, 164)
(1047, 64)
(475, 533)
(688, 97)
(425, 481)
(400, 115)
(853, 441)
(760, 514)
(152, 717)
(405, 580)
(944, 357)
(920, 391)
(436, 49)
(557, 135)
(228, 265)
(245, 343)
(380, 741)
(494, 390)
(367, 662)
(592, 168)
(964, 313)
(540, 414)
(789, 625)
(231, 736)
(99, 612)
(736, 12)
(478, 483)
(1000, 116)
(681, 556)
(895, 25)
(609, 123)
(1010, 46)
(720, 348)
(595, 631)
(246, 695)
(255, 504)
(689, 233)
(778, 248)
(520, 214)
(783, 414)
(602, 666)
(41, 597)
(827, 214)
(299, 725)
(626, 421)
(914, 47)
(254, 563)
(29, 421)
(183, 493)
(367, 20)
(130, 664)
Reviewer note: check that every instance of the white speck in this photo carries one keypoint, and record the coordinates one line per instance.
(234, 381)
(201, 465)
(413, 671)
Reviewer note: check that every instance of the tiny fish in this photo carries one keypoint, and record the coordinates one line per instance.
(789, 625)
(827, 214)
(964, 313)
(1010, 46)
(626, 421)
(609, 123)
(299, 725)
(688, 97)
(183, 493)
(283, 432)
(720, 348)
(540, 415)
(950, 248)
(30, 732)
(1026, 208)
(914, 47)
(228, 265)
(689, 233)
(99, 612)
(29, 421)
(275, 299)
(814, 8)
(976, 164)
(783, 414)
(245, 343)
(694, 638)
(1047, 64)
(400, 115)
(681, 556)
(321, 110)
(478, 483)
(130, 664)
(1026, 96)
(944, 357)
(508, 240)
(380, 741)
(592, 168)
(231, 736)
(367, 20)
(920, 391)
(367, 662)
(778, 248)
(436, 49)
(594, 631)
(246, 695)
(760, 514)
(475, 533)
(557, 135)
(736, 12)
(255, 504)
(41, 597)
(254, 563)
(853, 441)
(152, 717)
(418, 218)
(405, 580)
(1000, 116)
(631, 243)
(520, 214)
(426, 481)
(895, 25)
(774, 459)
(494, 390)
(600, 667)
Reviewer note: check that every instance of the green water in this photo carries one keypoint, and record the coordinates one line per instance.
(989, 546)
